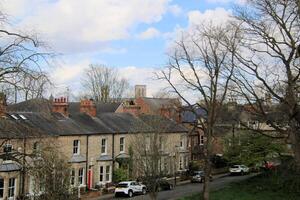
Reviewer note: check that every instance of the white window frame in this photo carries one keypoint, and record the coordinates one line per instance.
(107, 174)
(81, 176)
(105, 146)
(11, 188)
(8, 145)
(73, 177)
(77, 147)
(181, 163)
(201, 139)
(101, 174)
(122, 146)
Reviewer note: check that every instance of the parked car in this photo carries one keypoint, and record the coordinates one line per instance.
(164, 185)
(199, 176)
(129, 188)
(239, 169)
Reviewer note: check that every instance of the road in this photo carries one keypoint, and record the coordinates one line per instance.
(188, 189)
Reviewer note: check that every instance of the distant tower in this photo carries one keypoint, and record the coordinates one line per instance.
(140, 91)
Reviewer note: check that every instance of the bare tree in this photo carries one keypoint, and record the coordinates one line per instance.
(104, 83)
(50, 174)
(149, 149)
(268, 60)
(204, 68)
(21, 56)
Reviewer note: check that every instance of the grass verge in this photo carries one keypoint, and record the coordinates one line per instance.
(262, 187)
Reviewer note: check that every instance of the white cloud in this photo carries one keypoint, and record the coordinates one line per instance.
(241, 2)
(217, 16)
(70, 24)
(149, 33)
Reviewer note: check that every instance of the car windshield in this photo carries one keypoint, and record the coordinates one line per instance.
(122, 185)
(235, 166)
(198, 173)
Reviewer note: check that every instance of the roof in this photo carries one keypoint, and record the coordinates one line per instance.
(9, 167)
(162, 124)
(101, 107)
(188, 114)
(157, 103)
(77, 159)
(104, 158)
(39, 123)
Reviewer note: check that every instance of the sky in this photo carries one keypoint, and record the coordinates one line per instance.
(132, 35)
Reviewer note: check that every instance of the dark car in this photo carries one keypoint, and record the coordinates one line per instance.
(199, 176)
(164, 185)
(160, 185)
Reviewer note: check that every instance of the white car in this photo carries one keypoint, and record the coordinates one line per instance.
(129, 188)
(239, 169)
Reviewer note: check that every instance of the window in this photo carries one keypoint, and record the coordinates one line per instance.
(103, 146)
(180, 163)
(201, 139)
(11, 187)
(122, 142)
(101, 173)
(7, 148)
(107, 178)
(73, 177)
(182, 142)
(1, 187)
(148, 143)
(80, 176)
(76, 147)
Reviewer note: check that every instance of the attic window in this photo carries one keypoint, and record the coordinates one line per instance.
(22, 117)
(14, 116)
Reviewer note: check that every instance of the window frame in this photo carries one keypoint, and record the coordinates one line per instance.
(105, 146)
(122, 145)
(101, 174)
(72, 177)
(76, 147)
(107, 173)
(81, 176)
(201, 140)
(11, 188)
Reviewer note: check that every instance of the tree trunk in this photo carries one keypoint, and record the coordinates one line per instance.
(207, 169)
(295, 137)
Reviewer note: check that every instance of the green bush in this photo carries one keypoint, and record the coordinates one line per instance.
(120, 174)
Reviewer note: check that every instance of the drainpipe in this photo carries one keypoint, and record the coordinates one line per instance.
(22, 177)
(113, 155)
(87, 162)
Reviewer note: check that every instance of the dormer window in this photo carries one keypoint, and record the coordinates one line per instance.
(76, 147)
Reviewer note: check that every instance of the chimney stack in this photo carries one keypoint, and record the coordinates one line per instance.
(88, 106)
(60, 105)
(140, 91)
(3, 104)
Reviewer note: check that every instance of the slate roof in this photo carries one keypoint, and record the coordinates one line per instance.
(159, 123)
(101, 107)
(187, 116)
(9, 167)
(157, 103)
(104, 158)
(77, 159)
(55, 124)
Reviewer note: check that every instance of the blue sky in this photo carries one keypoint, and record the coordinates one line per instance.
(132, 35)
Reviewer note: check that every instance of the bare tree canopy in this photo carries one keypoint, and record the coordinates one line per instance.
(203, 66)
(104, 83)
(21, 60)
(268, 63)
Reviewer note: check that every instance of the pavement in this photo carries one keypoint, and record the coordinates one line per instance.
(185, 188)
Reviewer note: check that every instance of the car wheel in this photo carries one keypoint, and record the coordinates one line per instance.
(242, 173)
(144, 191)
(130, 193)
